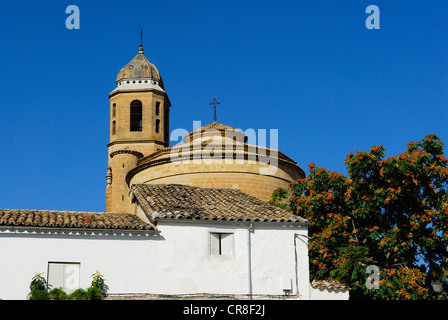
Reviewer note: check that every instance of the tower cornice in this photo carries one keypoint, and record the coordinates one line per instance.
(127, 151)
(137, 90)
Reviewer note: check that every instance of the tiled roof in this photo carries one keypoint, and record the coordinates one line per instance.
(329, 285)
(72, 219)
(214, 128)
(139, 67)
(174, 201)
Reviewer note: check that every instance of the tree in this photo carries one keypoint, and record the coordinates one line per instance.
(38, 288)
(391, 213)
(279, 198)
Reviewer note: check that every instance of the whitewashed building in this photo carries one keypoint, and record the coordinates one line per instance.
(184, 241)
(171, 228)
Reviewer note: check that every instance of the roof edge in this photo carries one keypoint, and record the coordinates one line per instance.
(233, 222)
(74, 230)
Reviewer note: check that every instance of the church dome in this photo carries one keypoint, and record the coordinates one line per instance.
(214, 129)
(140, 68)
(218, 156)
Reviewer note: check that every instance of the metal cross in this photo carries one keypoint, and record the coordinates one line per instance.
(215, 103)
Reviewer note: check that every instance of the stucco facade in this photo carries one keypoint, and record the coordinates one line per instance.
(175, 260)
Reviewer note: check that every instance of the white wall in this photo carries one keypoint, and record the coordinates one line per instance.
(176, 261)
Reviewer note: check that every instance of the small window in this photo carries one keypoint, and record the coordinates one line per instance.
(114, 110)
(136, 115)
(157, 108)
(114, 127)
(63, 275)
(221, 244)
(157, 125)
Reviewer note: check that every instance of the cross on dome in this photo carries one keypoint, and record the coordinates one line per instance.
(215, 103)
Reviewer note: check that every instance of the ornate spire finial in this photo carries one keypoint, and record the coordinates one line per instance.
(215, 103)
(140, 48)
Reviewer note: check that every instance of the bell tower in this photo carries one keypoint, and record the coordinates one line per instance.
(139, 125)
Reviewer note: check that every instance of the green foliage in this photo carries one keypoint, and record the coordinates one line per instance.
(39, 290)
(279, 194)
(58, 294)
(38, 282)
(98, 281)
(38, 295)
(94, 293)
(392, 213)
(279, 198)
(79, 294)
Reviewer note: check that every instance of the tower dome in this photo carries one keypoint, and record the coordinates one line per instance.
(139, 70)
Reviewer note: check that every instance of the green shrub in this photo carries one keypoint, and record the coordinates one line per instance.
(38, 282)
(36, 294)
(39, 290)
(94, 293)
(79, 294)
(98, 281)
(58, 294)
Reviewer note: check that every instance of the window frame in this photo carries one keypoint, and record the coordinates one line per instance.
(64, 264)
(221, 244)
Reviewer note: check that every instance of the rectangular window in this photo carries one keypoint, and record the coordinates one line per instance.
(221, 244)
(63, 275)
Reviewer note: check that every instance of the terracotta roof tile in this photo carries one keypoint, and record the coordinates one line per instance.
(72, 219)
(174, 201)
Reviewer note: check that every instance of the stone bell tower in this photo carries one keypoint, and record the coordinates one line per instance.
(139, 125)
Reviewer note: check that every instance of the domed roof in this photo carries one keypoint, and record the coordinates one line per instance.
(214, 129)
(219, 142)
(139, 68)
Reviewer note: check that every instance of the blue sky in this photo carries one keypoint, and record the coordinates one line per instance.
(310, 69)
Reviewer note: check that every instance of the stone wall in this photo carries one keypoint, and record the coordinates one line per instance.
(245, 177)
